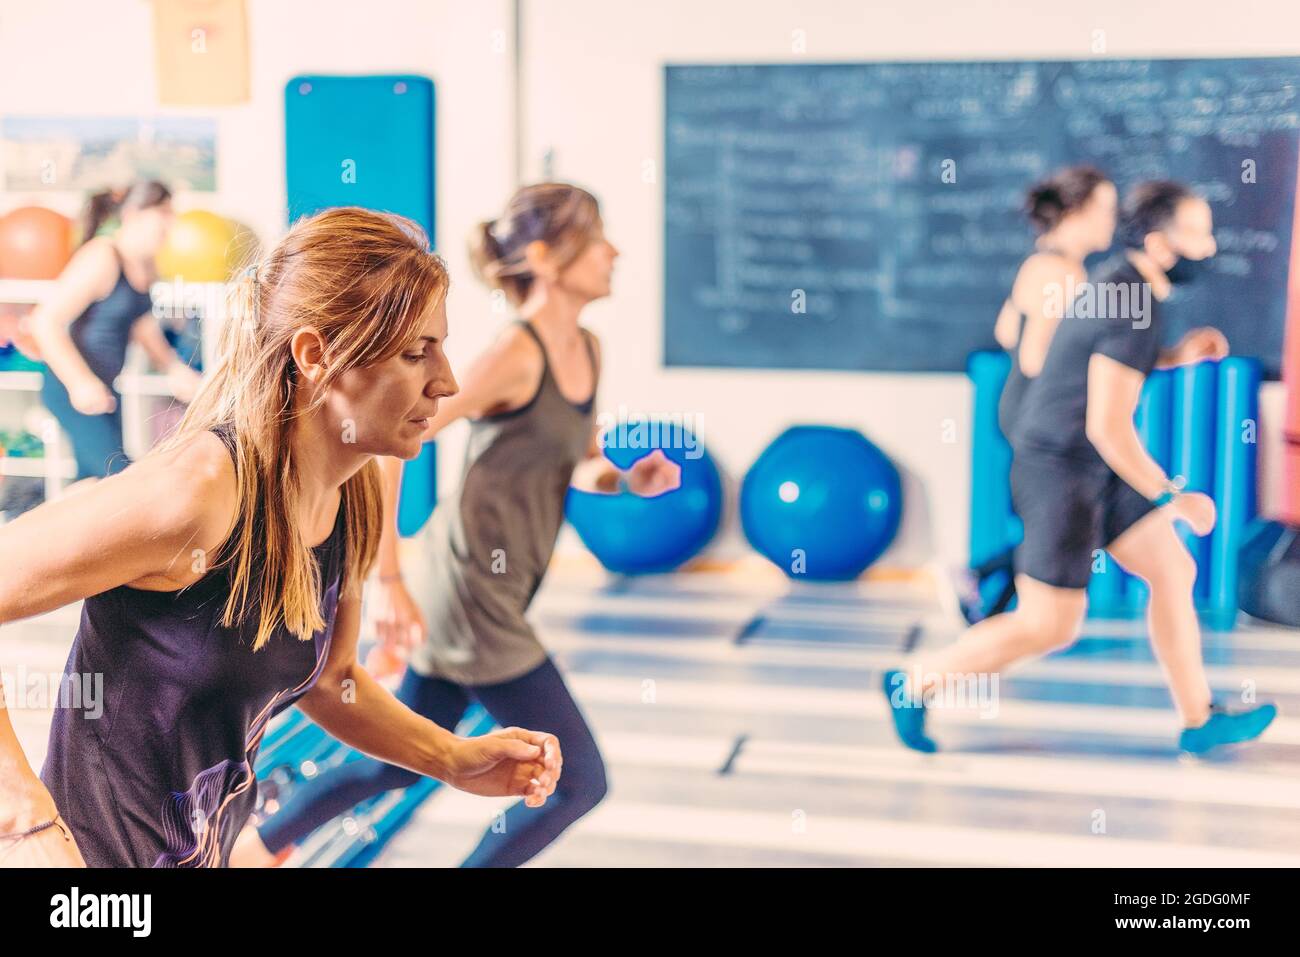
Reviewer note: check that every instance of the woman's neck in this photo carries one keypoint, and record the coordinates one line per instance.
(1063, 246)
(1153, 274)
(323, 462)
(132, 258)
(553, 309)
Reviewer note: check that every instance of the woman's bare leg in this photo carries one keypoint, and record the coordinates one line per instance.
(1152, 550)
(1046, 618)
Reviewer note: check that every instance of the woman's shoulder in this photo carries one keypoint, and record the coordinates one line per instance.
(1046, 261)
(94, 264)
(197, 477)
(1043, 269)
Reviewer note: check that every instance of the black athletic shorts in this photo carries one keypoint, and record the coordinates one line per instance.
(1070, 510)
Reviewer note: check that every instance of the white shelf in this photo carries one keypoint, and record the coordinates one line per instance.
(25, 290)
(21, 380)
(128, 383)
(33, 467)
(143, 383)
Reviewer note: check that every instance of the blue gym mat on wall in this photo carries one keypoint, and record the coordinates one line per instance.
(359, 141)
(366, 141)
(1199, 422)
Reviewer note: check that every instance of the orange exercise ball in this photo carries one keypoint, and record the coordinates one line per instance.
(35, 243)
(201, 247)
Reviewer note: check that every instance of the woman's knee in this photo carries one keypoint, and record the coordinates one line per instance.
(1173, 571)
(1050, 626)
(585, 784)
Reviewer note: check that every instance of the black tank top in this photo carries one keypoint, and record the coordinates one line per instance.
(102, 333)
(1014, 389)
(160, 771)
(1017, 384)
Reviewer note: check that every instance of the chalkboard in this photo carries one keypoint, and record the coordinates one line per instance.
(868, 216)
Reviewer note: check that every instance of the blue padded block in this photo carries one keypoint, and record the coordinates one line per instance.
(366, 141)
(1234, 481)
(1192, 450)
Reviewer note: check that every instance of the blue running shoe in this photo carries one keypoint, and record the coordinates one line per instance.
(908, 715)
(1224, 727)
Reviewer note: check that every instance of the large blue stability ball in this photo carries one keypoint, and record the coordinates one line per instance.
(821, 503)
(632, 535)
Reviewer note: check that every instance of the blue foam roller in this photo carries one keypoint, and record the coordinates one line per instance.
(1234, 480)
(1192, 449)
(419, 490)
(1154, 422)
(994, 527)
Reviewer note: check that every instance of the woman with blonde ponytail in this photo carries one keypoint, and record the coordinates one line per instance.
(222, 573)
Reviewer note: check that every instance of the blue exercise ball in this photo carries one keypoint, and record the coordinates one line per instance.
(631, 535)
(821, 503)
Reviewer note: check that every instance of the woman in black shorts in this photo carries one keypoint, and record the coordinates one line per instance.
(1073, 211)
(1082, 482)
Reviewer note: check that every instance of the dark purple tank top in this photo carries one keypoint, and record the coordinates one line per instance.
(103, 331)
(163, 777)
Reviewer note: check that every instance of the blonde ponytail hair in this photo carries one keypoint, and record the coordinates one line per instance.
(363, 280)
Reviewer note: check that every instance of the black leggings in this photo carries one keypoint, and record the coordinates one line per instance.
(539, 701)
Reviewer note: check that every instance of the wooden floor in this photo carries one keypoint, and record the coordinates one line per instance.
(741, 725)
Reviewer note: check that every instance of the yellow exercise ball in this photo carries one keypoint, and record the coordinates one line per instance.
(201, 247)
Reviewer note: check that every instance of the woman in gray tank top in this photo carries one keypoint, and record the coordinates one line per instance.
(529, 400)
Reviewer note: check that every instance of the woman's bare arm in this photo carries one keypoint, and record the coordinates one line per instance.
(1007, 328)
(348, 703)
(149, 526)
(1114, 390)
(148, 335)
(86, 279)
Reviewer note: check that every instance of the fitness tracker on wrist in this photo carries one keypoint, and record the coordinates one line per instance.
(1172, 489)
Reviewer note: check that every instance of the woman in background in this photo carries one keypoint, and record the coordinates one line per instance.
(530, 402)
(98, 306)
(1074, 212)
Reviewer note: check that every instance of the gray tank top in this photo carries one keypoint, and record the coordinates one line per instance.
(484, 552)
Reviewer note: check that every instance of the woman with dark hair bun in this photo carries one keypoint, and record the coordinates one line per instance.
(1074, 212)
(530, 402)
(99, 305)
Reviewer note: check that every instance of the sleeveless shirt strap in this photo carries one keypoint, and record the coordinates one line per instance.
(225, 431)
(546, 359)
(590, 339)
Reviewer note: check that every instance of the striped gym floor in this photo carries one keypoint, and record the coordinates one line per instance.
(741, 729)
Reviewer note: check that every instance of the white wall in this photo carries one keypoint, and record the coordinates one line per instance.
(594, 78)
(80, 58)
